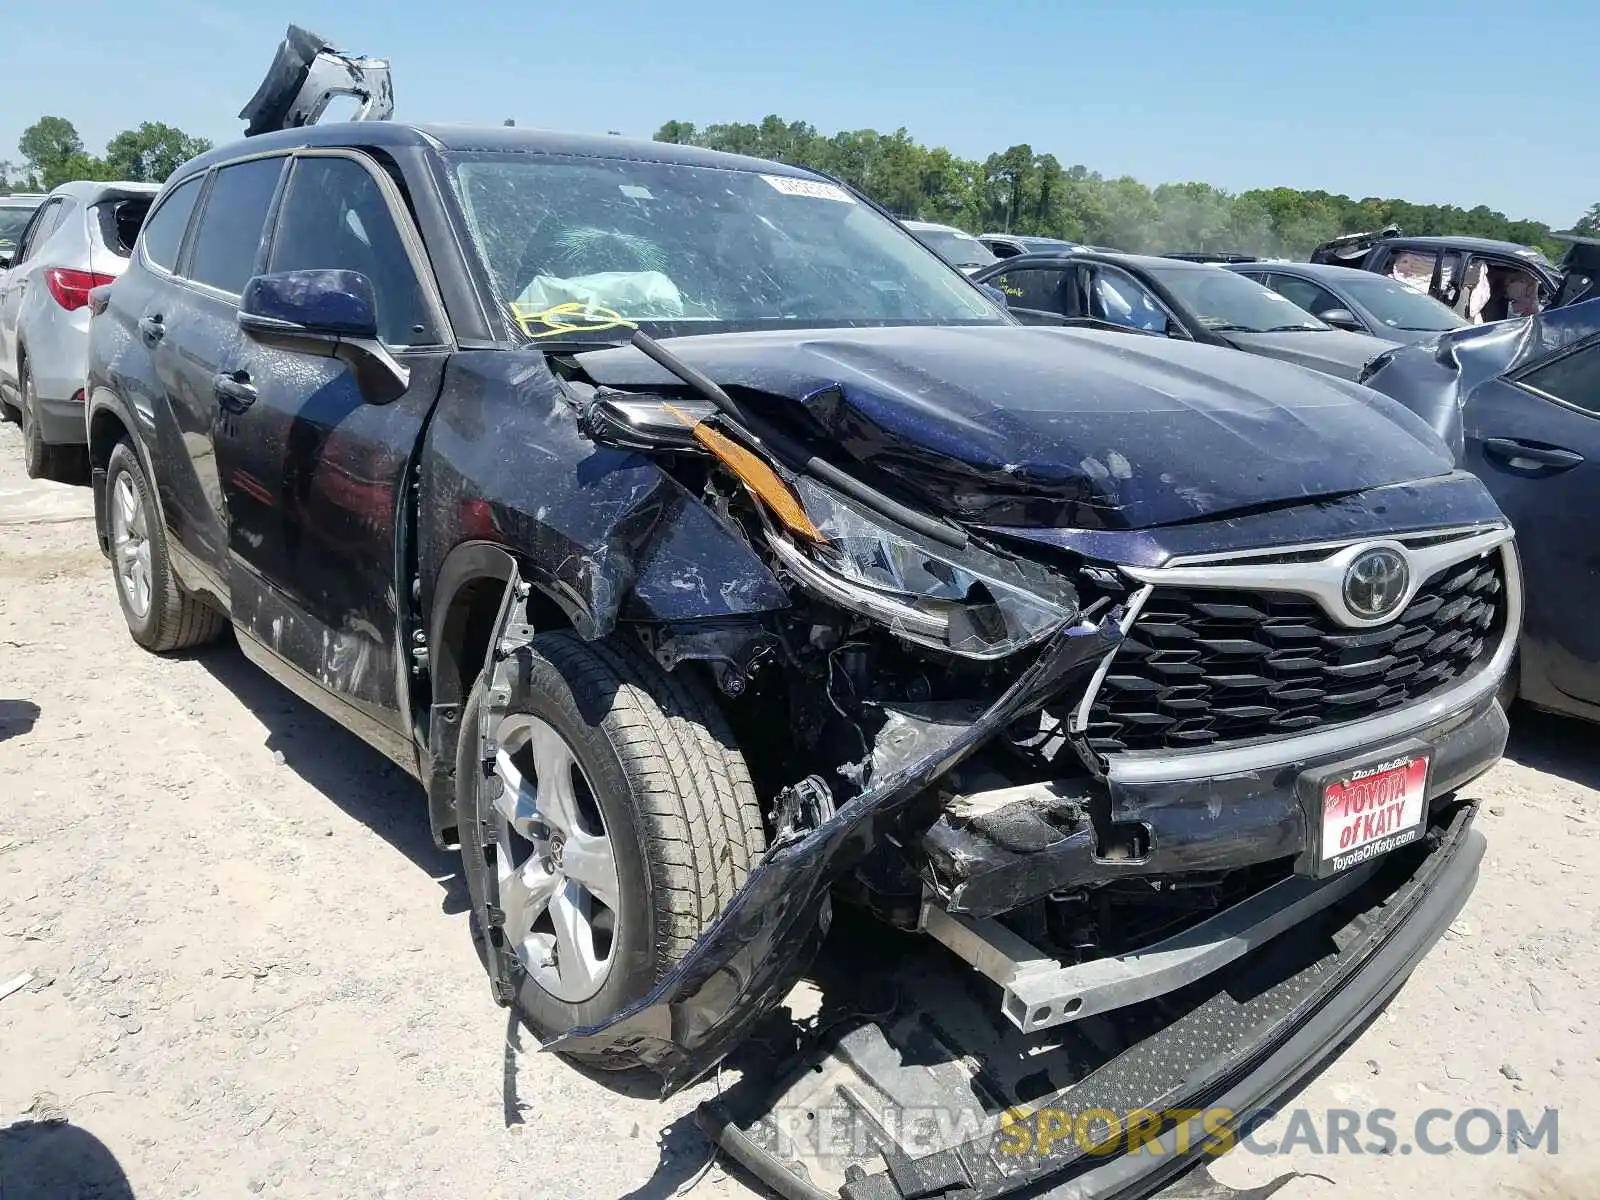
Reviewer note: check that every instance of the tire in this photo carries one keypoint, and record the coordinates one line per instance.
(161, 616)
(673, 794)
(39, 458)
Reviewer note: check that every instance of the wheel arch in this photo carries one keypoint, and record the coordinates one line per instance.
(467, 596)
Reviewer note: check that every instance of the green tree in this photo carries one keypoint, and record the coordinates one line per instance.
(1589, 224)
(152, 152)
(1023, 192)
(50, 145)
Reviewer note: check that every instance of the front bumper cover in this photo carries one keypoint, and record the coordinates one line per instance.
(1268, 1024)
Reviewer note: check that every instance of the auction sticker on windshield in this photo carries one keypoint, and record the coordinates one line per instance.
(814, 188)
(1371, 809)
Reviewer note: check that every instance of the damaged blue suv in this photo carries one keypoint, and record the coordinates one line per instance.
(715, 555)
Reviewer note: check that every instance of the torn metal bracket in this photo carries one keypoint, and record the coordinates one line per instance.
(509, 638)
(1038, 992)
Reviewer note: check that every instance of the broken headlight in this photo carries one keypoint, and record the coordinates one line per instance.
(968, 602)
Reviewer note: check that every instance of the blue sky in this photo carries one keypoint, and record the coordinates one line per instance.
(1468, 102)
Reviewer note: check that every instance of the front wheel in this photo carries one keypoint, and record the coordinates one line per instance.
(614, 822)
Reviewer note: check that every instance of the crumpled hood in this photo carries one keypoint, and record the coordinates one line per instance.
(1043, 427)
(1336, 351)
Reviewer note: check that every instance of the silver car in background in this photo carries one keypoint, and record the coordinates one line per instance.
(78, 239)
(16, 210)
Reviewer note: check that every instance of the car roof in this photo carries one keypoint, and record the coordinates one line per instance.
(1466, 243)
(21, 199)
(934, 225)
(489, 139)
(87, 192)
(1323, 271)
(1137, 262)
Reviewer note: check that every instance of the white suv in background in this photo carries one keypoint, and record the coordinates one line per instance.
(78, 238)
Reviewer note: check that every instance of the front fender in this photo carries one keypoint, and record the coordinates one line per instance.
(608, 534)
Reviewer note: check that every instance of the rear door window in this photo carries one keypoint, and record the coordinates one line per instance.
(162, 234)
(228, 242)
(1034, 289)
(42, 226)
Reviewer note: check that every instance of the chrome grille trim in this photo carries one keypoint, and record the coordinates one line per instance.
(1323, 579)
(1167, 766)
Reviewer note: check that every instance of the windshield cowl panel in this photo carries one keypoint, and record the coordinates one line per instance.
(580, 247)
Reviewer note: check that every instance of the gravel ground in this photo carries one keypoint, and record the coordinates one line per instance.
(252, 973)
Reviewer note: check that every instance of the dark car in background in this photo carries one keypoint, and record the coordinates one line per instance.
(1175, 298)
(16, 210)
(956, 246)
(1519, 403)
(1481, 279)
(1009, 245)
(1356, 300)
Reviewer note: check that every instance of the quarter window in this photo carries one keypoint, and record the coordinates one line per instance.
(228, 241)
(335, 217)
(162, 234)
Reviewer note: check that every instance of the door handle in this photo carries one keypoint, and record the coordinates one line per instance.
(153, 327)
(1521, 454)
(234, 390)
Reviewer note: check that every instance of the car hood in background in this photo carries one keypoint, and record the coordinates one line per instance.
(1333, 351)
(1044, 427)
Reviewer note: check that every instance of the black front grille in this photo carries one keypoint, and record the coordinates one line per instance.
(1205, 666)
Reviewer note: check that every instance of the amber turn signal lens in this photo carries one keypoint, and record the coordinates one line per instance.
(755, 475)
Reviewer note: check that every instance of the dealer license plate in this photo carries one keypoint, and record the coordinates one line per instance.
(1371, 810)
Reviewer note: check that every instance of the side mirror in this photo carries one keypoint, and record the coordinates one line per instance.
(333, 314)
(1341, 318)
(996, 295)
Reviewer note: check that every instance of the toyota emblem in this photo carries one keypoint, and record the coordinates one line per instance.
(1375, 583)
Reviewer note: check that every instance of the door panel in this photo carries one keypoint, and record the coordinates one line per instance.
(192, 331)
(1523, 447)
(314, 475)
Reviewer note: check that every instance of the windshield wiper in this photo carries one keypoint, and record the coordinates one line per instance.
(1293, 329)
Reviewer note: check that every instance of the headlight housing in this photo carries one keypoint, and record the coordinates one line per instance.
(970, 602)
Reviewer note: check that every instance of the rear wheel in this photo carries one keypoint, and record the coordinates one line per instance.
(160, 614)
(39, 458)
(615, 822)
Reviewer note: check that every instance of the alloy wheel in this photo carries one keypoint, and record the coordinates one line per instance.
(554, 863)
(130, 544)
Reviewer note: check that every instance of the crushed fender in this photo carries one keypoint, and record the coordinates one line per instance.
(764, 940)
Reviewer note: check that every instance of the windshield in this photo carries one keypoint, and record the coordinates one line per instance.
(12, 222)
(1400, 307)
(588, 248)
(1228, 303)
(957, 249)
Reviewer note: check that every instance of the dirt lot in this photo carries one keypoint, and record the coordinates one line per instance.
(253, 976)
